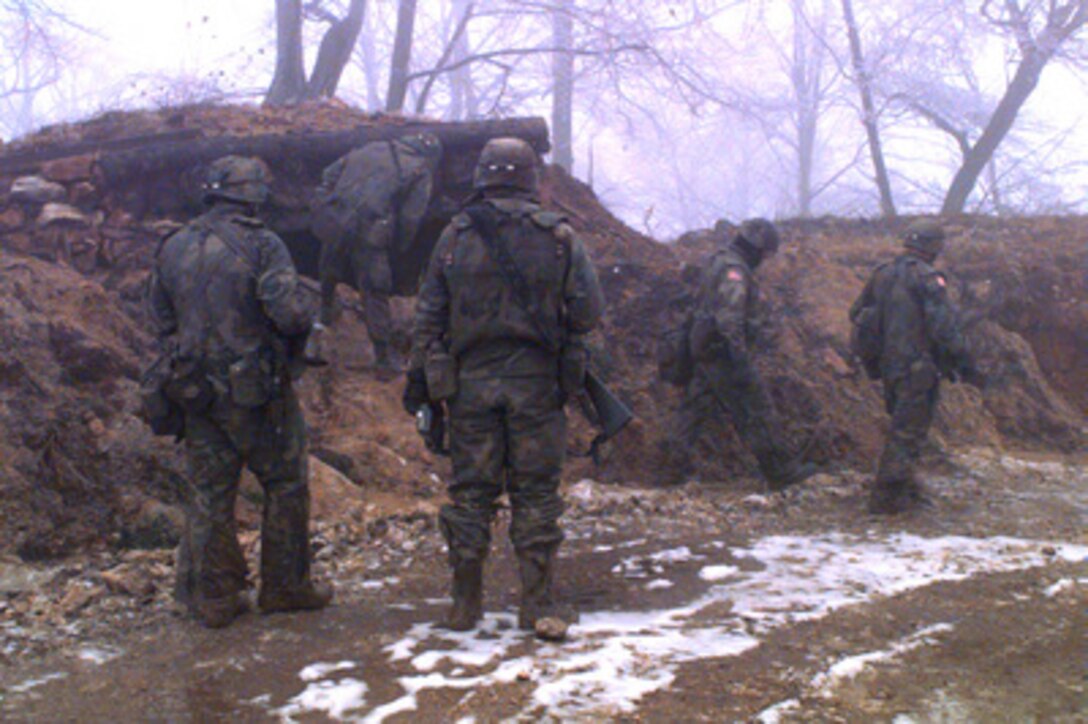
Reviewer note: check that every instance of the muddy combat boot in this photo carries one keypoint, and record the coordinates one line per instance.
(468, 583)
(310, 597)
(916, 497)
(220, 612)
(791, 474)
(539, 611)
(886, 499)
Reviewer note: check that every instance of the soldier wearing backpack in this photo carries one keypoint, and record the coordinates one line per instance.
(711, 357)
(907, 333)
(368, 213)
(224, 298)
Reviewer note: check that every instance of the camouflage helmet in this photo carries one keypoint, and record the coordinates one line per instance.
(924, 236)
(760, 235)
(506, 162)
(237, 178)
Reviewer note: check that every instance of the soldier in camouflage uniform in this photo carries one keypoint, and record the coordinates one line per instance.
(920, 340)
(225, 298)
(368, 213)
(724, 378)
(504, 372)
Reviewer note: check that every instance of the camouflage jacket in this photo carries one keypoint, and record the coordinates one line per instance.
(727, 303)
(224, 286)
(467, 307)
(917, 320)
(374, 198)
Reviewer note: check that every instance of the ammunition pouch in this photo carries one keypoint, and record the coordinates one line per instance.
(573, 363)
(188, 385)
(440, 369)
(867, 339)
(252, 379)
(163, 415)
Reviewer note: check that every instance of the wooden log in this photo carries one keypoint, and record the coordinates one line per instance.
(27, 160)
(304, 155)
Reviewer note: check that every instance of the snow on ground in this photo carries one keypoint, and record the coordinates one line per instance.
(614, 658)
(326, 692)
(851, 666)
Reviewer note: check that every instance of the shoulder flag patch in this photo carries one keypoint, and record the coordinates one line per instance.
(940, 279)
(734, 275)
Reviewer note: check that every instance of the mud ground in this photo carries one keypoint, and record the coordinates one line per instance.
(708, 602)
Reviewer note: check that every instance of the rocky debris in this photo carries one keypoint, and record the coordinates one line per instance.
(155, 525)
(36, 190)
(551, 628)
(57, 214)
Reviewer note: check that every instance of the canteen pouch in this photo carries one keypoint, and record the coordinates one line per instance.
(440, 368)
(251, 379)
(163, 415)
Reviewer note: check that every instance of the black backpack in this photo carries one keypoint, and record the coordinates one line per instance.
(867, 332)
(674, 360)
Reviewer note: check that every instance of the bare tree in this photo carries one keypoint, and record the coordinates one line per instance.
(402, 56)
(1040, 31)
(34, 55)
(869, 119)
(289, 83)
(563, 85)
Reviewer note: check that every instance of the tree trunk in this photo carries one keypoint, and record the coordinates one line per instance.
(402, 56)
(370, 62)
(463, 101)
(289, 80)
(868, 108)
(1023, 83)
(300, 153)
(335, 52)
(563, 85)
(805, 79)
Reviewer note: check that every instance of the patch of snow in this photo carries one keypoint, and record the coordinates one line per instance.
(614, 658)
(773, 714)
(97, 655)
(718, 573)
(1065, 584)
(851, 666)
(29, 684)
(333, 698)
(659, 584)
(313, 672)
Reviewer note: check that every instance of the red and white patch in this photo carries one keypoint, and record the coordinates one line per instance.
(940, 280)
(734, 276)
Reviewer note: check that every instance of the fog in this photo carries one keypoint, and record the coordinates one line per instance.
(680, 113)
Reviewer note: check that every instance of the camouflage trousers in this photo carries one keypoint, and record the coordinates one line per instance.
(505, 434)
(911, 400)
(357, 271)
(718, 391)
(271, 441)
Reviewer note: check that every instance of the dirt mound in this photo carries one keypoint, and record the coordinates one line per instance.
(209, 120)
(77, 467)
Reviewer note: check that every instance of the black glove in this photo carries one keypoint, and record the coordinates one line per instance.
(415, 391)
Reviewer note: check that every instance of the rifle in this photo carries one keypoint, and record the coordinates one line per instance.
(608, 411)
